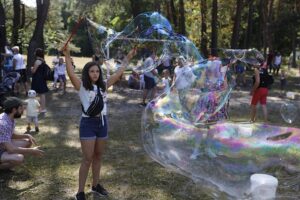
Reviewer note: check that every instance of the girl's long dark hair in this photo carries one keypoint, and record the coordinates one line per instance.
(39, 53)
(86, 81)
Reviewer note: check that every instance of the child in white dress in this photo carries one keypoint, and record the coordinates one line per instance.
(32, 110)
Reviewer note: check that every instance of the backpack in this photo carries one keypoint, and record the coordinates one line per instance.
(266, 80)
(48, 73)
(96, 106)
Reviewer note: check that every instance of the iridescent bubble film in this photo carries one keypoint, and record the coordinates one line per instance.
(185, 129)
(249, 56)
(150, 33)
(288, 112)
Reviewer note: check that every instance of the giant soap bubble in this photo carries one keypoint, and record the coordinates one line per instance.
(249, 56)
(183, 129)
(150, 32)
(288, 109)
(288, 112)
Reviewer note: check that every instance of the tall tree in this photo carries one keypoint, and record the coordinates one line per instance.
(182, 18)
(266, 13)
(16, 22)
(249, 24)
(204, 39)
(173, 13)
(37, 40)
(236, 26)
(157, 5)
(2, 29)
(214, 28)
(135, 8)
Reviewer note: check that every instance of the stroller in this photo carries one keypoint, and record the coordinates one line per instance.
(7, 85)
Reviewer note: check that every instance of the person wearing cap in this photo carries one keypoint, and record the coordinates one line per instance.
(14, 146)
(19, 66)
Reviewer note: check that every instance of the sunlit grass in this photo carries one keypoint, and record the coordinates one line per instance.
(127, 171)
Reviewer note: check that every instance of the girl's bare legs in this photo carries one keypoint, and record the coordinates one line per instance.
(265, 111)
(253, 113)
(97, 157)
(87, 147)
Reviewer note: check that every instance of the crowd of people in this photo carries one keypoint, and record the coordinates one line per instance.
(92, 90)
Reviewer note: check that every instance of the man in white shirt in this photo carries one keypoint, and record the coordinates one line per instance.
(19, 66)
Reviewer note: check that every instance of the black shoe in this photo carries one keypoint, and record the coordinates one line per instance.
(37, 129)
(98, 189)
(80, 196)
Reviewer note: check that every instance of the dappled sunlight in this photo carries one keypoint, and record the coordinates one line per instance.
(73, 143)
(20, 185)
(107, 170)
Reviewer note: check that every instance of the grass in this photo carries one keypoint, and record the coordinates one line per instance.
(127, 171)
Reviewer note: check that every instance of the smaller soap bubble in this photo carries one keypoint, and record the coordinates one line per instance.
(288, 112)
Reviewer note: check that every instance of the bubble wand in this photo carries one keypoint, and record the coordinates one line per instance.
(74, 30)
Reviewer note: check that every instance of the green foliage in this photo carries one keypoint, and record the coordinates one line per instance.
(116, 14)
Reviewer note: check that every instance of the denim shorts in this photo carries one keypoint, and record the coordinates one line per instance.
(93, 128)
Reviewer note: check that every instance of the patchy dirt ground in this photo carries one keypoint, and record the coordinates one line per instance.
(127, 171)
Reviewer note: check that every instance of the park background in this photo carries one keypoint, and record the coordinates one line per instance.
(128, 172)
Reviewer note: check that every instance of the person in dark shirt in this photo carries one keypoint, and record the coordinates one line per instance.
(259, 92)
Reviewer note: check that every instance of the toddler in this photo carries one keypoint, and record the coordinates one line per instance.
(61, 72)
(33, 108)
(166, 80)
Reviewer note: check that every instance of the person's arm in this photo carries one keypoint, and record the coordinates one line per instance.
(36, 65)
(24, 136)
(10, 148)
(70, 70)
(6, 54)
(116, 76)
(257, 81)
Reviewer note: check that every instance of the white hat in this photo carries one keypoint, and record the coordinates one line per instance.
(31, 93)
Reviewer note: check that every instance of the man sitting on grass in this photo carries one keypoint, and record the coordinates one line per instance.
(13, 147)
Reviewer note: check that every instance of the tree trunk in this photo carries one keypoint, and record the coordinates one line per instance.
(263, 24)
(2, 29)
(266, 17)
(16, 22)
(157, 5)
(168, 9)
(294, 36)
(182, 17)
(37, 40)
(236, 26)
(249, 25)
(269, 27)
(135, 11)
(22, 25)
(173, 13)
(214, 28)
(204, 39)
